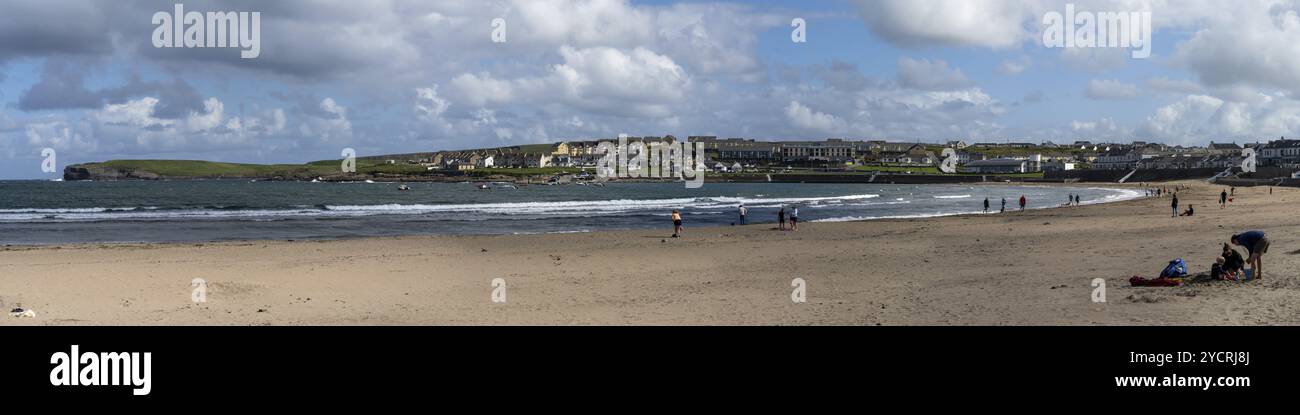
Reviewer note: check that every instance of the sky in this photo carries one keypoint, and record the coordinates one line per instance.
(85, 79)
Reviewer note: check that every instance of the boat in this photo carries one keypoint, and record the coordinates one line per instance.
(403, 187)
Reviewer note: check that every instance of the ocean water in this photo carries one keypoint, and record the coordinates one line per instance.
(42, 212)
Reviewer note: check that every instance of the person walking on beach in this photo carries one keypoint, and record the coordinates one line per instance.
(780, 217)
(794, 217)
(1077, 200)
(1069, 199)
(1004, 205)
(1223, 199)
(1022, 203)
(677, 223)
(742, 214)
(1256, 245)
(986, 205)
(1174, 205)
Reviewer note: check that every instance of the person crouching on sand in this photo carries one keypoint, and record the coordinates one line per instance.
(1230, 263)
(1256, 245)
(677, 223)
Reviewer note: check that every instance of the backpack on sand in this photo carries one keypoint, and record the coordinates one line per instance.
(1176, 269)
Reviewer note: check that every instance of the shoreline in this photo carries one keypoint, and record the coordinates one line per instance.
(1118, 196)
(1031, 268)
(17, 247)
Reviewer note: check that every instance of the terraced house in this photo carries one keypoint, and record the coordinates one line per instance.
(1280, 153)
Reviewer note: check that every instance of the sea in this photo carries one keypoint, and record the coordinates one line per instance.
(49, 212)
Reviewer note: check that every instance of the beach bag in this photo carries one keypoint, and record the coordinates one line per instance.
(1176, 269)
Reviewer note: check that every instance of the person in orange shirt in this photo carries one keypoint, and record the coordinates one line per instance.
(677, 223)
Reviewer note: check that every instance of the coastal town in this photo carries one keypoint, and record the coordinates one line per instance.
(732, 155)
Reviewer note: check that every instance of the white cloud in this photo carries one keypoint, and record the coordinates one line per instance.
(1110, 89)
(806, 118)
(1176, 86)
(1197, 119)
(1252, 43)
(1012, 67)
(930, 75)
(428, 104)
(638, 82)
(997, 24)
(60, 135)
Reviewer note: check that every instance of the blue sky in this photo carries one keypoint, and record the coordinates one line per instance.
(83, 77)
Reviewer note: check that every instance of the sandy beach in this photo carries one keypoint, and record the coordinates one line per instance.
(1031, 268)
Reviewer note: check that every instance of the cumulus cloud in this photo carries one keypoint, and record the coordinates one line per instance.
(930, 75)
(605, 80)
(1012, 67)
(1255, 44)
(60, 135)
(999, 24)
(428, 104)
(804, 117)
(1110, 89)
(1199, 118)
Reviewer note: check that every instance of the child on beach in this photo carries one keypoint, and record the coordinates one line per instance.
(677, 223)
(1256, 245)
(986, 205)
(1230, 263)
(780, 218)
(1174, 205)
(1223, 199)
(742, 214)
(1022, 203)
(1004, 205)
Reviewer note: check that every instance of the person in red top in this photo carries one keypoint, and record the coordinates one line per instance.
(1022, 203)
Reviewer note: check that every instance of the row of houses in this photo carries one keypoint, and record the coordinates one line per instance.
(735, 151)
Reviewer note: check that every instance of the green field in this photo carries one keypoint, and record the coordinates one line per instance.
(212, 169)
(899, 169)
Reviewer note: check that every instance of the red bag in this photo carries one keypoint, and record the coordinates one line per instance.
(1137, 281)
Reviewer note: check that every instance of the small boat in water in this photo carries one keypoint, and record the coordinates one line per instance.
(403, 187)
